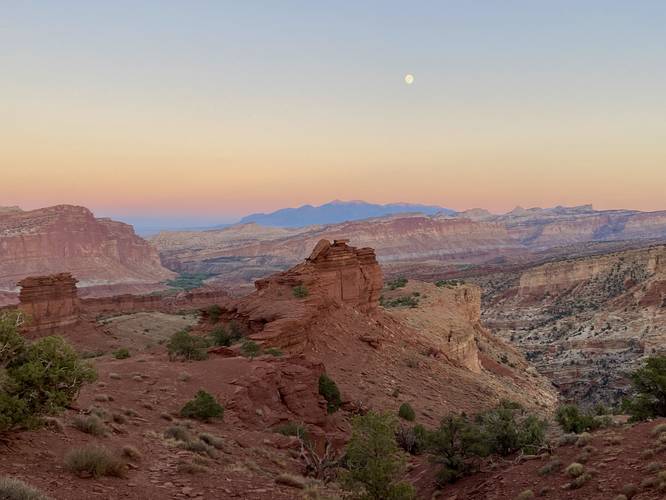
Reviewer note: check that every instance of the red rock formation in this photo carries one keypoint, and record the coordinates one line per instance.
(49, 302)
(334, 275)
(70, 239)
(283, 390)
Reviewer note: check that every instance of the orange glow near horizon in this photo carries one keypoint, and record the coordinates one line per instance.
(250, 110)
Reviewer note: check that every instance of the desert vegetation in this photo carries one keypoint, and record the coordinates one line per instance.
(203, 407)
(649, 387)
(37, 378)
(329, 390)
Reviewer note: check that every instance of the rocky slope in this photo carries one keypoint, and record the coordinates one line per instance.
(584, 322)
(64, 238)
(427, 247)
(325, 315)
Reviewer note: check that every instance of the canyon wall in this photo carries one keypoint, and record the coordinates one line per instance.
(70, 239)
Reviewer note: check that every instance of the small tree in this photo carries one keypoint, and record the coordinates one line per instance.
(300, 292)
(185, 346)
(572, 419)
(329, 389)
(250, 349)
(36, 378)
(374, 461)
(649, 384)
(406, 412)
(203, 407)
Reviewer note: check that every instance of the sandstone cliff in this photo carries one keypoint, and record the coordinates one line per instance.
(70, 239)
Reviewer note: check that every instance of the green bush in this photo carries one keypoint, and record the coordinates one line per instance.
(274, 351)
(649, 385)
(374, 463)
(414, 440)
(250, 349)
(294, 429)
(507, 429)
(202, 407)
(405, 301)
(453, 443)
(448, 283)
(15, 489)
(329, 389)
(227, 336)
(397, 283)
(573, 419)
(122, 353)
(90, 424)
(182, 345)
(406, 412)
(95, 461)
(300, 292)
(36, 378)
(214, 312)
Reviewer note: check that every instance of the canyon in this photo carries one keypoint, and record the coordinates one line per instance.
(417, 245)
(584, 322)
(105, 256)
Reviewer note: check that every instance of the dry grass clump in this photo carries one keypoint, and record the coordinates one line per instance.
(103, 398)
(115, 376)
(574, 469)
(54, 424)
(291, 480)
(553, 465)
(585, 455)
(214, 441)
(658, 429)
(15, 489)
(95, 461)
(184, 377)
(583, 439)
(90, 424)
(647, 454)
(579, 481)
(130, 412)
(629, 490)
(131, 453)
(119, 418)
(613, 440)
(525, 495)
(178, 433)
(567, 439)
(191, 468)
(166, 416)
(654, 467)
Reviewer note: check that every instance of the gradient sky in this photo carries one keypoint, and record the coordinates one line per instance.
(210, 110)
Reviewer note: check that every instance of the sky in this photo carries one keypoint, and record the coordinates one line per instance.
(203, 111)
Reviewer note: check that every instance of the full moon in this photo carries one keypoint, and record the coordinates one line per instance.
(409, 78)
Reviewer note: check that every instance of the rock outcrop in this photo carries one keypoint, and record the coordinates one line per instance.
(284, 305)
(70, 239)
(50, 303)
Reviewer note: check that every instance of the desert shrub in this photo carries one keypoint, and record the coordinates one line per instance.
(214, 312)
(374, 462)
(397, 283)
(583, 439)
(250, 349)
(525, 495)
(294, 429)
(131, 453)
(300, 292)
(414, 440)
(15, 489)
(183, 345)
(406, 412)
(203, 407)
(274, 351)
(453, 443)
(553, 465)
(329, 390)
(211, 440)
(629, 490)
(90, 424)
(94, 460)
(448, 283)
(649, 385)
(507, 429)
(220, 336)
(178, 433)
(658, 429)
(574, 469)
(122, 353)
(291, 481)
(573, 419)
(191, 468)
(36, 378)
(404, 301)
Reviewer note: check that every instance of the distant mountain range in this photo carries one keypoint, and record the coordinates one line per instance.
(338, 211)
